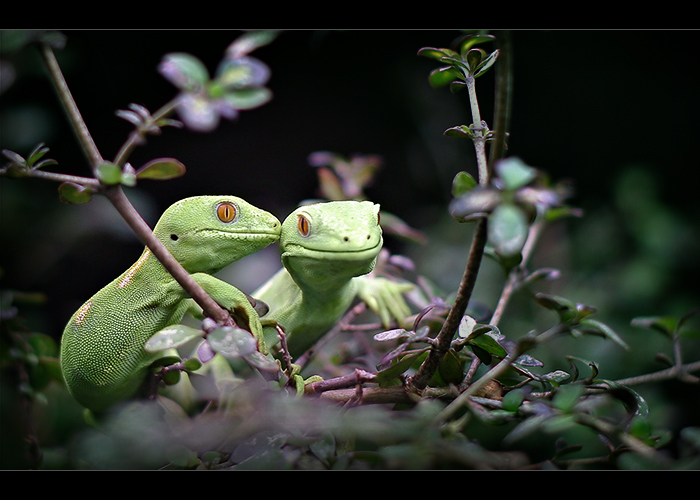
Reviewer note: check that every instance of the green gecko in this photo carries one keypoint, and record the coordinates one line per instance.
(102, 349)
(327, 249)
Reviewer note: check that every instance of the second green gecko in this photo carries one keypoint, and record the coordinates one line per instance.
(102, 349)
(326, 249)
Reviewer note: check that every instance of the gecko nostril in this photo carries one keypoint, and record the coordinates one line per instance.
(346, 239)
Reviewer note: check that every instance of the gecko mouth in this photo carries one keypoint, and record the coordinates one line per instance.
(360, 254)
(248, 234)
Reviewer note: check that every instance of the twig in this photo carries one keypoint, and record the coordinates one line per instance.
(117, 197)
(64, 96)
(466, 287)
(511, 284)
(449, 327)
(680, 372)
(136, 137)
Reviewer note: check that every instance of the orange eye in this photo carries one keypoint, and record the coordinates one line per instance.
(226, 212)
(303, 225)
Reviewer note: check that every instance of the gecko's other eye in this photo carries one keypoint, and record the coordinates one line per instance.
(303, 225)
(226, 212)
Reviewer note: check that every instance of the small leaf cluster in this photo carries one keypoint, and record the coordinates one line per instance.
(574, 318)
(110, 174)
(238, 83)
(670, 326)
(232, 342)
(144, 122)
(484, 341)
(21, 167)
(516, 195)
(462, 65)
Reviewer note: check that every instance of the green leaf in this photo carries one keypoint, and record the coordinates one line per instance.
(242, 73)
(181, 456)
(559, 424)
(489, 344)
(486, 63)
(232, 342)
(250, 41)
(554, 214)
(664, 324)
(444, 76)
(450, 368)
(514, 173)
(438, 54)
(591, 364)
(36, 155)
(15, 158)
(473, 58)
(595, 327)
(192, 364)
(633, 401)
(640, 428)
(109, 173)
(513, 399)
(248, 98)
(457, 86)
(474, 204)
(459, 132)
(483, 355)
(554, 302)
(567, 396)
(508, 229)
(171, 337)
(161, 169)
(184, 71)
(468, 41)
(128, 179)
(396, 369)
(70, 192)
(462, 183)
(172, 377)
(556, 377)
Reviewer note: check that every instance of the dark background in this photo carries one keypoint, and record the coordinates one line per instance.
(614, 111)
(587, 106)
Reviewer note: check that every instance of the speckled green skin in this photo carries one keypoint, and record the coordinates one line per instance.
(317, 283)
(102, 349)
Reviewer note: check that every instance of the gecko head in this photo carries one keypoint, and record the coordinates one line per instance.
(332, 239)
(207, 233)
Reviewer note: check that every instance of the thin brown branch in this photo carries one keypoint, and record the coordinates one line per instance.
(680, 372)
(88, 145)
(449, 327)
(211, 308)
